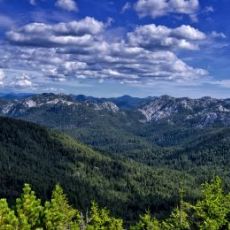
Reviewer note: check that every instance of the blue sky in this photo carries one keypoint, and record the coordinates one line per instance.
(116, 47)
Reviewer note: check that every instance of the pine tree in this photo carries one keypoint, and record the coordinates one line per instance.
(146, 222)
(211, 212)
(100, 220)
(178, 220)
(29, 209)
(59, 214)
(8, 220)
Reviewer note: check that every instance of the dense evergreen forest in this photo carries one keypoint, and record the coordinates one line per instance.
(42, 157)
(211, 212)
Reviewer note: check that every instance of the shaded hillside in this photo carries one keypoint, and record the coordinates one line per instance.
(210, 149)
(43, 158)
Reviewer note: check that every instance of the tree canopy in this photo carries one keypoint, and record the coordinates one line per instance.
(211, 212)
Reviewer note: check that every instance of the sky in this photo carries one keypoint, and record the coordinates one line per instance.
(109, 48)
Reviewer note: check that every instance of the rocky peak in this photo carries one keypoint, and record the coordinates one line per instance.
(200, 112)
(110, 106)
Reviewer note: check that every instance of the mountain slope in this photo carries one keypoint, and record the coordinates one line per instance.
(100, 124)
(29, 153)
(209, 150)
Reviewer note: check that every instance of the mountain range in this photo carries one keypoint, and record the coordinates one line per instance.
(203, 112)
(122, 124)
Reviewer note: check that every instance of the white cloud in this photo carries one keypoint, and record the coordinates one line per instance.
(159, 8)
(87, 25)
(81, 50)
(188, 32)
(23, 81)
(159, 37)
(79, 33)
(69, 5)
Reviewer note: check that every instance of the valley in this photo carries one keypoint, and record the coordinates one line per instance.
(130, 160)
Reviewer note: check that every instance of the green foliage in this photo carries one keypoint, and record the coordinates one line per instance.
(212, 211)
(178, 221)
(100, 220)
(8, 220)
(209, 213)
(146, 222)
(58, 214)
(179, 218)
(29, 209)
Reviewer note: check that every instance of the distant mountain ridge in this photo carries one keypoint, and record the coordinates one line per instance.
(203, 112)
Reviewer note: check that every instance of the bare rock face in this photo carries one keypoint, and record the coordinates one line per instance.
(18, 107)
(198, 112)
(110, 106)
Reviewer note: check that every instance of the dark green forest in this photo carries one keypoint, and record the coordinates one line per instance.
(42, 158)
(128, 187)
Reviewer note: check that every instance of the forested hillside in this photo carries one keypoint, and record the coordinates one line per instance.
(127, 165)
(43, 158)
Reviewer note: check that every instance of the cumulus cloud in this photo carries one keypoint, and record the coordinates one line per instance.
(159, 8)
(81, 50)
(71, 33)
(22, 81)
(162, 37)
(66, 68)
(69, 5)
(188, 32)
